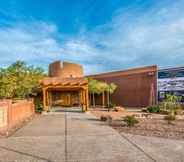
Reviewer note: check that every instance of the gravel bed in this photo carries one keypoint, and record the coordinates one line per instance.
(153, 127)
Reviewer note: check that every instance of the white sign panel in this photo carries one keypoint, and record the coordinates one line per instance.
(171, 84)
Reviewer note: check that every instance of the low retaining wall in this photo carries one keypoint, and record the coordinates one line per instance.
(11, 114)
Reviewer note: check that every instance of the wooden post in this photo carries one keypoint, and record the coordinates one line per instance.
(87, 99)
(44, 100)
(103, 99)
(47, 100)
(83, 100)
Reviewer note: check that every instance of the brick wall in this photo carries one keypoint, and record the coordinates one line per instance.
(65, 70)
(12, 114)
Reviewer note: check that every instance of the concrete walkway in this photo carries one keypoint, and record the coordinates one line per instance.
(78, 137)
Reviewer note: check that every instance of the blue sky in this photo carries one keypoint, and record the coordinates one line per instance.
(102, 35)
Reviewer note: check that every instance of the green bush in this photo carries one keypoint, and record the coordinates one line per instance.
(130, 120)
(171, 104)
(153, 109)
(38, 105)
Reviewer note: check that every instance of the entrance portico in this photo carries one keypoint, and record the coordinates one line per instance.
(66, 92)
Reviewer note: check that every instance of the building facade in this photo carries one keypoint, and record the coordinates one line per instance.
(65, 86)
(138, 87)
(135, 87)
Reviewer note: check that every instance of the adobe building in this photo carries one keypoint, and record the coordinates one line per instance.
(65, 86)
(135, 87)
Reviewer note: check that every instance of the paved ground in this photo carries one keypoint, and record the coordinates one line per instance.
(78, 137)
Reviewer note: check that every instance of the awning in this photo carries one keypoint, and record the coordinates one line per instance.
(63, 81)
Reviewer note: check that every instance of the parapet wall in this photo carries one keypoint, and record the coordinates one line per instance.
(11, 114)
(65, 70)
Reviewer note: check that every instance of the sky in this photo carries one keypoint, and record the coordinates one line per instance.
(102, 35)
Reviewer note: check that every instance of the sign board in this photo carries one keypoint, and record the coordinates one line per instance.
(171, 84)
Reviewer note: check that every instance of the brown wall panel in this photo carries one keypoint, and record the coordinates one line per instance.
(134, 86)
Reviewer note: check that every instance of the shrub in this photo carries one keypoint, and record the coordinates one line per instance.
(170, 118)
(130, 120)
(153, 109)
(103, 118)
(111, 106)
(106, 118)
(171, 104)
(178, 110)
(38, 105)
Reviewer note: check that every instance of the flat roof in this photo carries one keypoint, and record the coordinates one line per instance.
(152, 68)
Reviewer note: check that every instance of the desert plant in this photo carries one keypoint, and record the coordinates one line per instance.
(171, 104)
(170, 118)
(106, 118)
(178, 110)
(130, 120)
(153, 109)
(103, 118)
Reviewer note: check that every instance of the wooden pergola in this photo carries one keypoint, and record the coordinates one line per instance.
(52, 84)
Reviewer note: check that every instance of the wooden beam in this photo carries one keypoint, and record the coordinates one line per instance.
(66, 87)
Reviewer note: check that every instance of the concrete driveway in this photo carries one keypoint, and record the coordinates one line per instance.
(79, 137)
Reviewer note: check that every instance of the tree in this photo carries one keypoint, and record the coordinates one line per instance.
(110, 90)
(103, 87)
(100, 87)
(96, 87)
(93, 88)
(18, 81)
(171, 104)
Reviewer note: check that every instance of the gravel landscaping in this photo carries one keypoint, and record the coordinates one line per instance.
(152, 125)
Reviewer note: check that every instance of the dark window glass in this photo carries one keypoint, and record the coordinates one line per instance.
(170, 74)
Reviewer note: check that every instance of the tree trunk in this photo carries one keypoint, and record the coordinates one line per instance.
(103, 99)
(109, 101)
(90, 99)
(93, 100)
(108, 104)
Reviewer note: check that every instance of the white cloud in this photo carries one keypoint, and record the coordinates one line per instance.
(132, 38)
